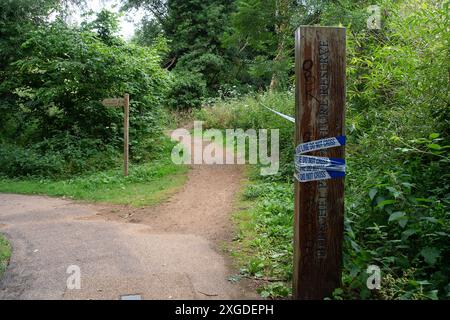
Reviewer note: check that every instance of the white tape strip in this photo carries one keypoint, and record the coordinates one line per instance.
(316, 175)
(280, 114)
(315, 168)
(320, 144)
(304, 161)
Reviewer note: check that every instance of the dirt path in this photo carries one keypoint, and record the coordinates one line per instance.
(170, 251)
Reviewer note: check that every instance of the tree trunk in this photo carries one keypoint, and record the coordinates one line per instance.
(281, 26)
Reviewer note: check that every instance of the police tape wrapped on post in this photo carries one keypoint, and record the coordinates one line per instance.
(311, 168)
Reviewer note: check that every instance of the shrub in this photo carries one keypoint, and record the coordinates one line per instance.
(56, 157)
(51, 101)
(187, 90)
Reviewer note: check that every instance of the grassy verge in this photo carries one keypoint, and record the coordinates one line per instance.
(147, 184)
(262, 247)
(5, 254)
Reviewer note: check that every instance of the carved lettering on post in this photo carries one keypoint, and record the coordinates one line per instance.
(319, 205)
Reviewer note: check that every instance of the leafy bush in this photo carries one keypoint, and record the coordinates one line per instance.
(398, 218)
(397, 190)
(51, 101)
(17, 161)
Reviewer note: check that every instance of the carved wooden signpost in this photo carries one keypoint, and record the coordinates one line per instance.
(125, 102)
(319, 188)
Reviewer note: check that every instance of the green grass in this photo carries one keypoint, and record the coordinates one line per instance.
(147, 184)
(262, 246)
(5, 254)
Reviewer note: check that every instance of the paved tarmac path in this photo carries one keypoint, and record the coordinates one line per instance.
(170, 251)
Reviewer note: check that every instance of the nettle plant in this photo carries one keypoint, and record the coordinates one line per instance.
(407, 229)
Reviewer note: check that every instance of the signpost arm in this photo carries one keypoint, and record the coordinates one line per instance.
(126, 122)
(319, 205)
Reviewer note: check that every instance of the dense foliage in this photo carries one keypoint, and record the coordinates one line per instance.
(53, 122)
(197, 58)
(397, 190)
(217, 46)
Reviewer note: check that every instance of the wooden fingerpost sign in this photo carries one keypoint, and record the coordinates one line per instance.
(319, 160)
(126, 125)
(125, 102)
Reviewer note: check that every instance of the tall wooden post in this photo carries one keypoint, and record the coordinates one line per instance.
(319, 205)
(126, 122)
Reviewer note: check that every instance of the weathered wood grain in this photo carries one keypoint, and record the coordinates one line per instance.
(319, 205)
(126, 124)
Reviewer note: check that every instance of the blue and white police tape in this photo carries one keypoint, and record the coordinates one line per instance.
(310, 163)
(311, 168)
(304, 161)
(314, 168)
(320, 174)
(320, 144)
(314, 173)
(289, 118)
